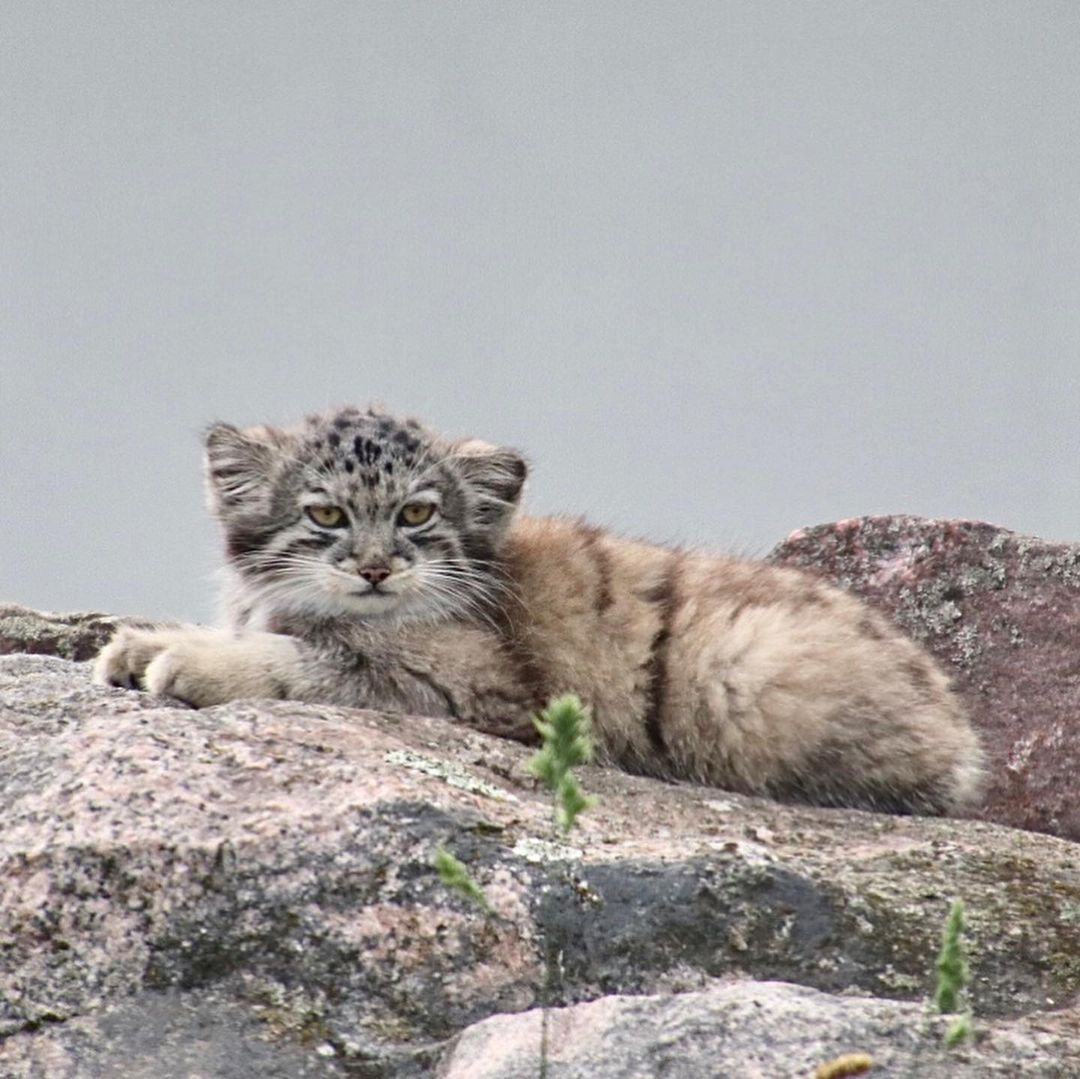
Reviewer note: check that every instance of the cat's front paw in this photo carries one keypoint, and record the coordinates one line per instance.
(201, 667)
(124, 660)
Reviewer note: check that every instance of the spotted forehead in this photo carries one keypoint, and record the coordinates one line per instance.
(365, 450)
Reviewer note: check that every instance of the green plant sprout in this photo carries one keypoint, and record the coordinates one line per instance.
(566, 728)
(456, 877)
(959, 1030)
(953, 976)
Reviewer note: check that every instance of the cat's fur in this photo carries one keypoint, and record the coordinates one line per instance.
(739, 674)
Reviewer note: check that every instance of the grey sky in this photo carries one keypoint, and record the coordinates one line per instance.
(720, 269)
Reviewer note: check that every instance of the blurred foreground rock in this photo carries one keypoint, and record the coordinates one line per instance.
(764, 1030)
(247, 891)
(1002, 613)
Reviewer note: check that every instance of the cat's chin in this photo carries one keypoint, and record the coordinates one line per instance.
(370, 604)
(385, 607)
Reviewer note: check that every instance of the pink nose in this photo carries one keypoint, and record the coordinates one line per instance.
(374, 574)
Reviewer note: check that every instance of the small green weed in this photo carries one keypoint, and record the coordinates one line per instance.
(566, 728)
(954, 976)
(456, 877)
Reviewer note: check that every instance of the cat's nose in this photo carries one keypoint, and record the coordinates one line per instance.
(374, 574)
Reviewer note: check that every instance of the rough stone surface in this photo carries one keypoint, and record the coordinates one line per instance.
(76, 636)
(754, 1030)
(252, 884)
(1002, 612)
(170, 1035)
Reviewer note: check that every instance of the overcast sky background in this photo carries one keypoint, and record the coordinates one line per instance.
(722, 269)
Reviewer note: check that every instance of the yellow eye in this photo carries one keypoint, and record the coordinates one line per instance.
(327, 516)
(416, 513)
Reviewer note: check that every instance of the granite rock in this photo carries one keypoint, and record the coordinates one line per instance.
(754, 1030)
(252, 885)
(1001, 612)
(77, 636)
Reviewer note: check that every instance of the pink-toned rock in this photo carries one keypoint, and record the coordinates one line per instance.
(753, 1030)
(248, 891)
(76, 636)
(1002, 612)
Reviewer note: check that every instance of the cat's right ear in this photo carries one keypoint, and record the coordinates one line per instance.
(497, 472)
(238, 464)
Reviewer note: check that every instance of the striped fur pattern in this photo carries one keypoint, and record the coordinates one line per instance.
(747, 676)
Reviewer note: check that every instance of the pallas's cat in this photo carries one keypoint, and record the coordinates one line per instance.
(374, 563)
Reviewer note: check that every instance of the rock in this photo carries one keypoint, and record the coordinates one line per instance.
(1002, 612)
(756, 1030)
(252, 885)
(76, 636)
(162, 1036)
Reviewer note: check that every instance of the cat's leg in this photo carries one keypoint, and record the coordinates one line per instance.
(200, 666)
(447, 669)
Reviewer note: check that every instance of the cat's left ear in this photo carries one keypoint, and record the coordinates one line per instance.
(239, 463)
(496, 475)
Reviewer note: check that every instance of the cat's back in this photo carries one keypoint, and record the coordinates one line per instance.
(633, 623)
(572, 580)
(737, 672)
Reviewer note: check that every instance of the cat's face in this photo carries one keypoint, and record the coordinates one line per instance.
(361, 514)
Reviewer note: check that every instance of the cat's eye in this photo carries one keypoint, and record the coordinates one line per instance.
(327, 516)
(416, 513)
